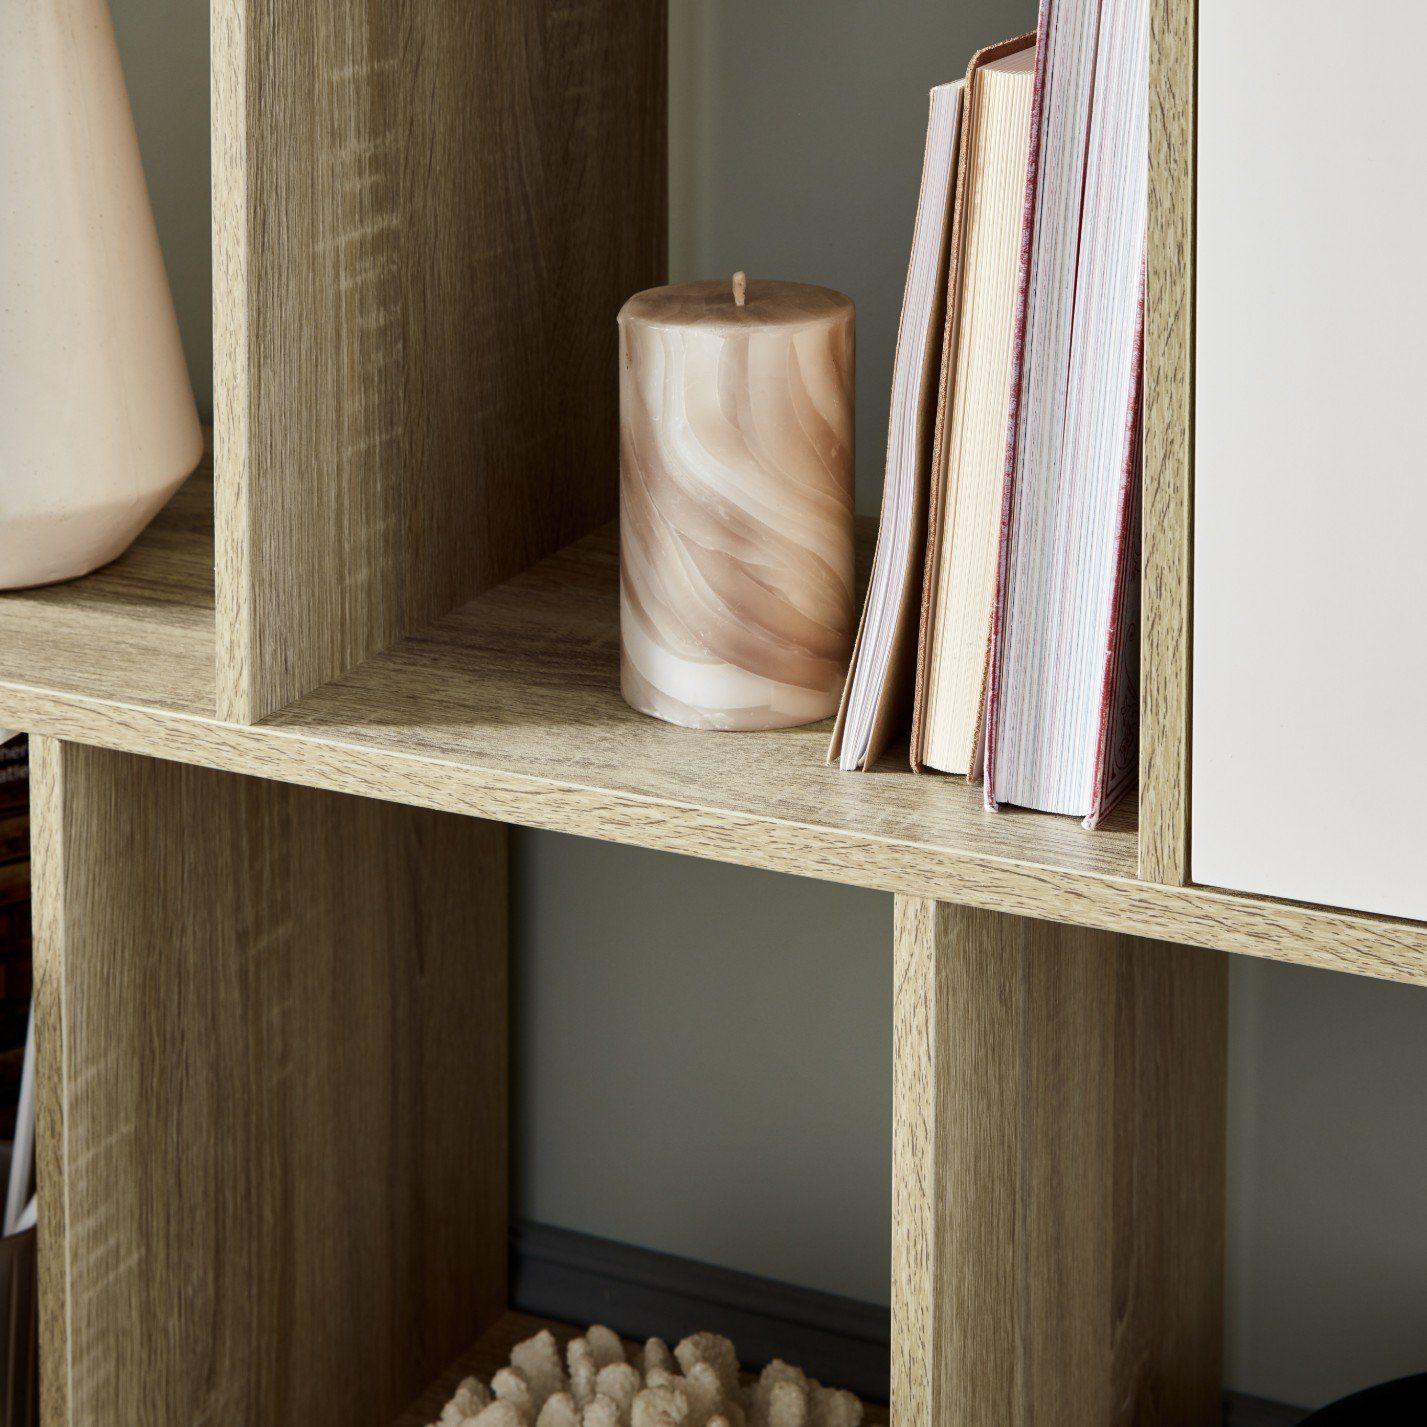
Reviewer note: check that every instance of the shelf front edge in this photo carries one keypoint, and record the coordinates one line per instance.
(1197, 916)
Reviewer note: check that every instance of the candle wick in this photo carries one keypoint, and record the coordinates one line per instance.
(740, 288)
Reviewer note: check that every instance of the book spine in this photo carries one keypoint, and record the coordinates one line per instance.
(1013, 424)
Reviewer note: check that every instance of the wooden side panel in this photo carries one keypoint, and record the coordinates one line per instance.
(918, 1307)
(1058, 1174)
(47, 879)
(275, 1182)
(427, 214)
(1169, 454)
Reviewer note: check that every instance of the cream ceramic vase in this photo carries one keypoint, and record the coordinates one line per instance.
(97, 420)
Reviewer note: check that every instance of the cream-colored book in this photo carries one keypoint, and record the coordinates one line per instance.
(969, 465)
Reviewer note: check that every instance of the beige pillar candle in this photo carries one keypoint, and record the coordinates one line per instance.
(736, 538)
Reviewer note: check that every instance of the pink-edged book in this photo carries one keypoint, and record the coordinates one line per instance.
(1062, 697)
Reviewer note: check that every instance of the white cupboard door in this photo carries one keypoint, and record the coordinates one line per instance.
(1310, 560)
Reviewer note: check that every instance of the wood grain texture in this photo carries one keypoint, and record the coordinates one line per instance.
(1058, 1178)
(1169, 452)
(491, 1352)
(139, 630)
(427, 214)
(509, 709)
(919, 1380)
(277, 1104)
(47, 862)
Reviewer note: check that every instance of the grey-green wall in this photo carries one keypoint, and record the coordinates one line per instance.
(703, 1053)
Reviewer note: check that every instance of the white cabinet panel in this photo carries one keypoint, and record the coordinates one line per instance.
(1310, 578)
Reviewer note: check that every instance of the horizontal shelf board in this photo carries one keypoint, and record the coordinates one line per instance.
(509, 709)
(492, 1352)
(140, 630)
(524, 682)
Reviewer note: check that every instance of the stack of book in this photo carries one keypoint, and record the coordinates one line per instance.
(1001, 624)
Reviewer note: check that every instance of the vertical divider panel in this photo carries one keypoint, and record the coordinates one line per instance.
(426, 216)
(1169, 454)
(274, 1179)
(47, 862)
(1058, 1177)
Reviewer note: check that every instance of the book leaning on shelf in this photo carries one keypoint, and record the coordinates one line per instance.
(1008, 552)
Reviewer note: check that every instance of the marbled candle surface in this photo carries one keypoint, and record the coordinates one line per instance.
(736, 533)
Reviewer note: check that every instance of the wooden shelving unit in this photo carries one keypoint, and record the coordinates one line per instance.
(276, 747)
(508, 708)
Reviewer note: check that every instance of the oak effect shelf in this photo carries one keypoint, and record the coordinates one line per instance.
(138, 631)
(491, 1351)
(509, 709)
